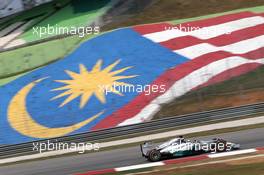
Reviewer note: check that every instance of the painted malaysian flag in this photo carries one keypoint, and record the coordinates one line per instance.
(66, 97)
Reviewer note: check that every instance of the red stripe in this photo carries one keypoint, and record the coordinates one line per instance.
(186, 41)
(152, 28)
(260, 148)
(168, 79)
(231, 73)
(98, 172)
(186, 159)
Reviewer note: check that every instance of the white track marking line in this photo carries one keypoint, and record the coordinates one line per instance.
(133, 167)
(232, 153)
(217, 155)
(222, 161)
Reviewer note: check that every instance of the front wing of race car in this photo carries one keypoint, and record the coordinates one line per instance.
(145, 148)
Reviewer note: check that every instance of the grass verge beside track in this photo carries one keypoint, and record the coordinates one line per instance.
(234, 165)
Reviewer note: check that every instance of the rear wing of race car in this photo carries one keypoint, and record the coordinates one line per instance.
(145, 148)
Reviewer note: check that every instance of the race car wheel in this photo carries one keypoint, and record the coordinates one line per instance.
(154, 155)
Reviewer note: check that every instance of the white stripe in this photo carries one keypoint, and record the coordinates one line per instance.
(189, 82)
(14, 43)
(207, 32)
(235, 48)
(232, 153)
(149, 110)
(6, 39)
(147, 165)
(9, 29)
(133, 167)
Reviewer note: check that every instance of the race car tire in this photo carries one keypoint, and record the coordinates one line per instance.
(154, 155)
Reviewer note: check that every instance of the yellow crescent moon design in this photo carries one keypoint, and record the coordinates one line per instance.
(21, 121)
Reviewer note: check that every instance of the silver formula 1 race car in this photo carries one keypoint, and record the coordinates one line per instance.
(179, 147)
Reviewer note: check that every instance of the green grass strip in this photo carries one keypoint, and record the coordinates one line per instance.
(73, 15)
(29, 58)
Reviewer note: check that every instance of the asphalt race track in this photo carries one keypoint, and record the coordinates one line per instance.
(114, 158)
